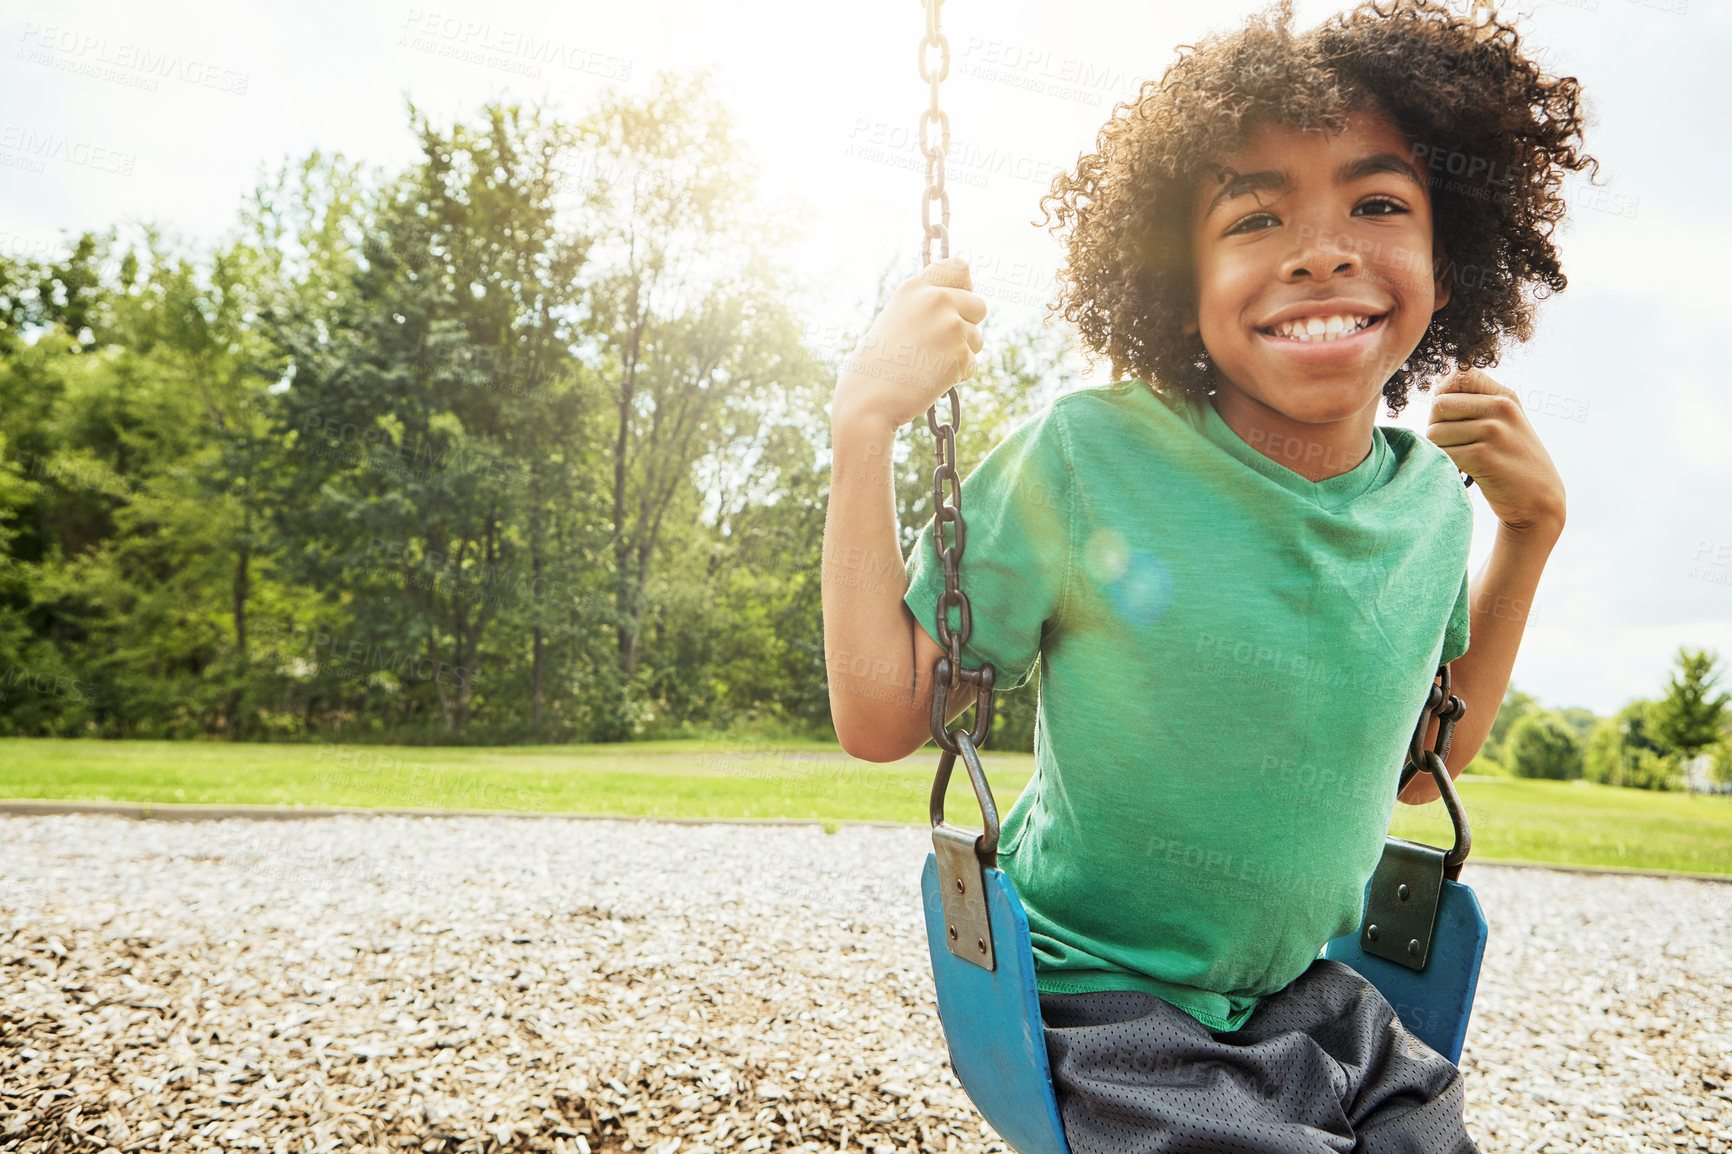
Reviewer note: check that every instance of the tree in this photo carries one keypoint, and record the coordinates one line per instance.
(1620, 752)
(1543, 745)
(1720, 769)
(1687, 720)
(434, 414)
(433, 454)
(140, 453)
(1515, 705)
(1581, 721)
(689, 319)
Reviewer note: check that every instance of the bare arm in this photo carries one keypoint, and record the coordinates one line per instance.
(879, 659)
(1499, 601)
(1480, 424)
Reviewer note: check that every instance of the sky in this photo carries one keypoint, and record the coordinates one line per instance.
(169, 113)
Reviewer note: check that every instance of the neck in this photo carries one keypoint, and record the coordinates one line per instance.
(1315, 450)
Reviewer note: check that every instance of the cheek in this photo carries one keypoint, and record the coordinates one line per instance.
(1223, 289)
(1409, 265)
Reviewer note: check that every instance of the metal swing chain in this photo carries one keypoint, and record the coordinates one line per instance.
(948, 673)
(1448, 709)
(962, 856)
(1483, 18)
(1441, 703)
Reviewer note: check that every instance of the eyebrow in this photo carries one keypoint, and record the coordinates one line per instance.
(1382, 162)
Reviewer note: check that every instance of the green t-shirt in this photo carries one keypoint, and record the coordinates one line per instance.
(1233, 660)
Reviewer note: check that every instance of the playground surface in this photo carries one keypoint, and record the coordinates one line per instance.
(490, 984)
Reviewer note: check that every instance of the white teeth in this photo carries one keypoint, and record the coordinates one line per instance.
(1321, 328)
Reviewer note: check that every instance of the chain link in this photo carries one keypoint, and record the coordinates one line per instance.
(948, 674)
(934, 154)
(1448, 709)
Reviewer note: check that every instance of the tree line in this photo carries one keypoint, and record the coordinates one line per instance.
(526, 441)
(1679, 739)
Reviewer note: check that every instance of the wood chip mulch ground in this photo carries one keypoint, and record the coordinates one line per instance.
(583, 987)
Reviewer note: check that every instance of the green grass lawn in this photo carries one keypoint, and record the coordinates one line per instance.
(1578, 823)
(1558, 822)
(695, 779)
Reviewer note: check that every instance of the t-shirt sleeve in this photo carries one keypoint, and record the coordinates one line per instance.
(1017, 505)
(1455, 633)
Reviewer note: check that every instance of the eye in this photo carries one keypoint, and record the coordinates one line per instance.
(1390, 203)
(1240, 226)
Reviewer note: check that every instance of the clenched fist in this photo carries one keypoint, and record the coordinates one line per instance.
(920, 345)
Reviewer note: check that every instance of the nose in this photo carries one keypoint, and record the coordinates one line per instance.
(1320, 253)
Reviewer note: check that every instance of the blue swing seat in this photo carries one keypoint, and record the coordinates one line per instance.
(992, 1023)
(1433, 1003)
(1420, 943)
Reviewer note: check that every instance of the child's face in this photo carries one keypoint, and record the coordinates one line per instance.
(1285, 235)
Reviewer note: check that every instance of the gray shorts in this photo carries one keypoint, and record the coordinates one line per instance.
(1324, 1065)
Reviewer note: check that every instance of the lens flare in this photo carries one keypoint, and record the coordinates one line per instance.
(1136, 581)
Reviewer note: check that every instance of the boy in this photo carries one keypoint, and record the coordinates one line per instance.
(1238, 585)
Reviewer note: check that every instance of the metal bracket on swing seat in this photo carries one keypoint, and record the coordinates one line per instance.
(1401, 903)
(963, 886)
(963, 856)
(1402, 897)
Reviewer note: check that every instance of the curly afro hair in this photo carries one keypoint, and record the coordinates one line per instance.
(1492, 134)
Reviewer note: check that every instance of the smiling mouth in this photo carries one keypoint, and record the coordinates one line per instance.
(1303, 338)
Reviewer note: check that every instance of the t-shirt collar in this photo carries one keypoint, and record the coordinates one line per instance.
(1331, 491)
